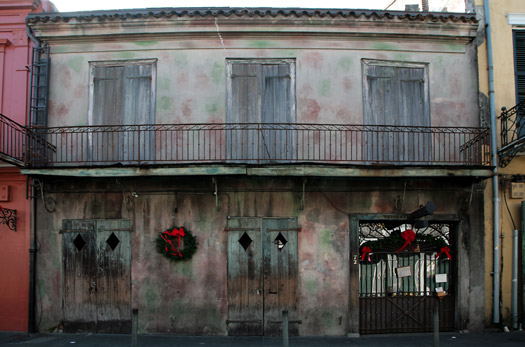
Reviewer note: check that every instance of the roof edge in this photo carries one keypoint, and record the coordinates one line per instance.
(124, 14)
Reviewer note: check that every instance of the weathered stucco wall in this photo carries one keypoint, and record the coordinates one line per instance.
(191, 297)
(329, 79)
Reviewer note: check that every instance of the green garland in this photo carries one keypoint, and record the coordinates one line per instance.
(169, 241)
(426, 243)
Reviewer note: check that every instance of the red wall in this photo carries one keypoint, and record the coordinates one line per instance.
(15, 60)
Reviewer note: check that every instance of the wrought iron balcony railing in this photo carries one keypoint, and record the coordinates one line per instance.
(256, 143)
(512, 133)
(12, 141)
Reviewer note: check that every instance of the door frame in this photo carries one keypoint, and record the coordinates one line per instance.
(353, 256)
(269, 324)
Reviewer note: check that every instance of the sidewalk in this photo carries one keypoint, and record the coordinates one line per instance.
(419, 340)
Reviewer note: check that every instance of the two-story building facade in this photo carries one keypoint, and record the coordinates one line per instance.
(322, 162)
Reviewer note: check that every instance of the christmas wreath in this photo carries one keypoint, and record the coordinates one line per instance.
(169, 244)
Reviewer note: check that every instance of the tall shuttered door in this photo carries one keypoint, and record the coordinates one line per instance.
(396, 95)
(123, 95)
(97, 276)
(262, 275)
(519, 61)
(261, 111)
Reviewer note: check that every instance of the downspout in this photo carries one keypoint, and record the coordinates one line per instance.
(494, 150)
(31, 322)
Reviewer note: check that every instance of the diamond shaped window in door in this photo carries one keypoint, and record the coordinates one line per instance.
(79, 242)
(245, 241)
(280, 241)
(113, 241)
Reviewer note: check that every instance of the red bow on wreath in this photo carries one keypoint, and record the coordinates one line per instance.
(364, 252)
(445, 250)
(408, 235)
(175, 233)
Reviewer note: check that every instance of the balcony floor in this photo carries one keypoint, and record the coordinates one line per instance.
(269, 170)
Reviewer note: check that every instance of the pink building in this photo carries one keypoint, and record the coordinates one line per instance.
(15, 230)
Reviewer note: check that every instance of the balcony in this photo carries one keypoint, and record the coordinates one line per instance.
(254, 144)
(512, 133)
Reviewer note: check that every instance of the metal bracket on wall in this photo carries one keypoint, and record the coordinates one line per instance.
(8, 217)
(216, 193)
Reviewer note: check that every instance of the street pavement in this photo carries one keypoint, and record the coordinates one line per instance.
(510, 339)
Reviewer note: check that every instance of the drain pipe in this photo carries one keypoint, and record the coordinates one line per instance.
(494, 150)
(514, 293)
(31, 319)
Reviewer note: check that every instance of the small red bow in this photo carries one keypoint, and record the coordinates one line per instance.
(408, 235)
(445, 250)
(365, 251)
(175, 233)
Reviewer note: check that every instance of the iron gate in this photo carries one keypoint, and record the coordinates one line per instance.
(402, 270)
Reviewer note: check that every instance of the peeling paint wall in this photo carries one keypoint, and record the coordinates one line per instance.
(329, 82)
(191, 297)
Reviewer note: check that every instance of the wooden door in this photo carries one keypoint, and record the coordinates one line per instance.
(245, 286)
(97, 276)
(113, 277)
(80, 275)
(262, 275)
(280, 275)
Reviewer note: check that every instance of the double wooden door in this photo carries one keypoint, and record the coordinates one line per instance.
(262, 275)
(97, 275)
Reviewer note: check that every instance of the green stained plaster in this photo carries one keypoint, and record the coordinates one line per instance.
(76, 63)
(60, 49)
(455, 48)
(125, 55)
(345, 63)
(327, 320)
(41, 288)
(146, 43)
(326, 240)
(383, 46)
(180, 60)
(211, 108)
(324, 88)
(311, 286)
(163, 83)
(165, 103)
(260, 44)
(151, 296)
(402, 57)
(183, 268)
(217, 73)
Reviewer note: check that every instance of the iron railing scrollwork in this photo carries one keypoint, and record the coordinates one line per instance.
(512, 132)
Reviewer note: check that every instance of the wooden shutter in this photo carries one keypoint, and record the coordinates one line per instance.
(123, 95)
(519, 61)
(278, 142)
(396, 95)
(244, 108)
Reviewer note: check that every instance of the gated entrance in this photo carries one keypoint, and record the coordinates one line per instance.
(262, 275)
(401, 270)
(97, 276)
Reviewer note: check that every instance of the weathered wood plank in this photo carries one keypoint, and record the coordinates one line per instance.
(80, 282)
(245, 299)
